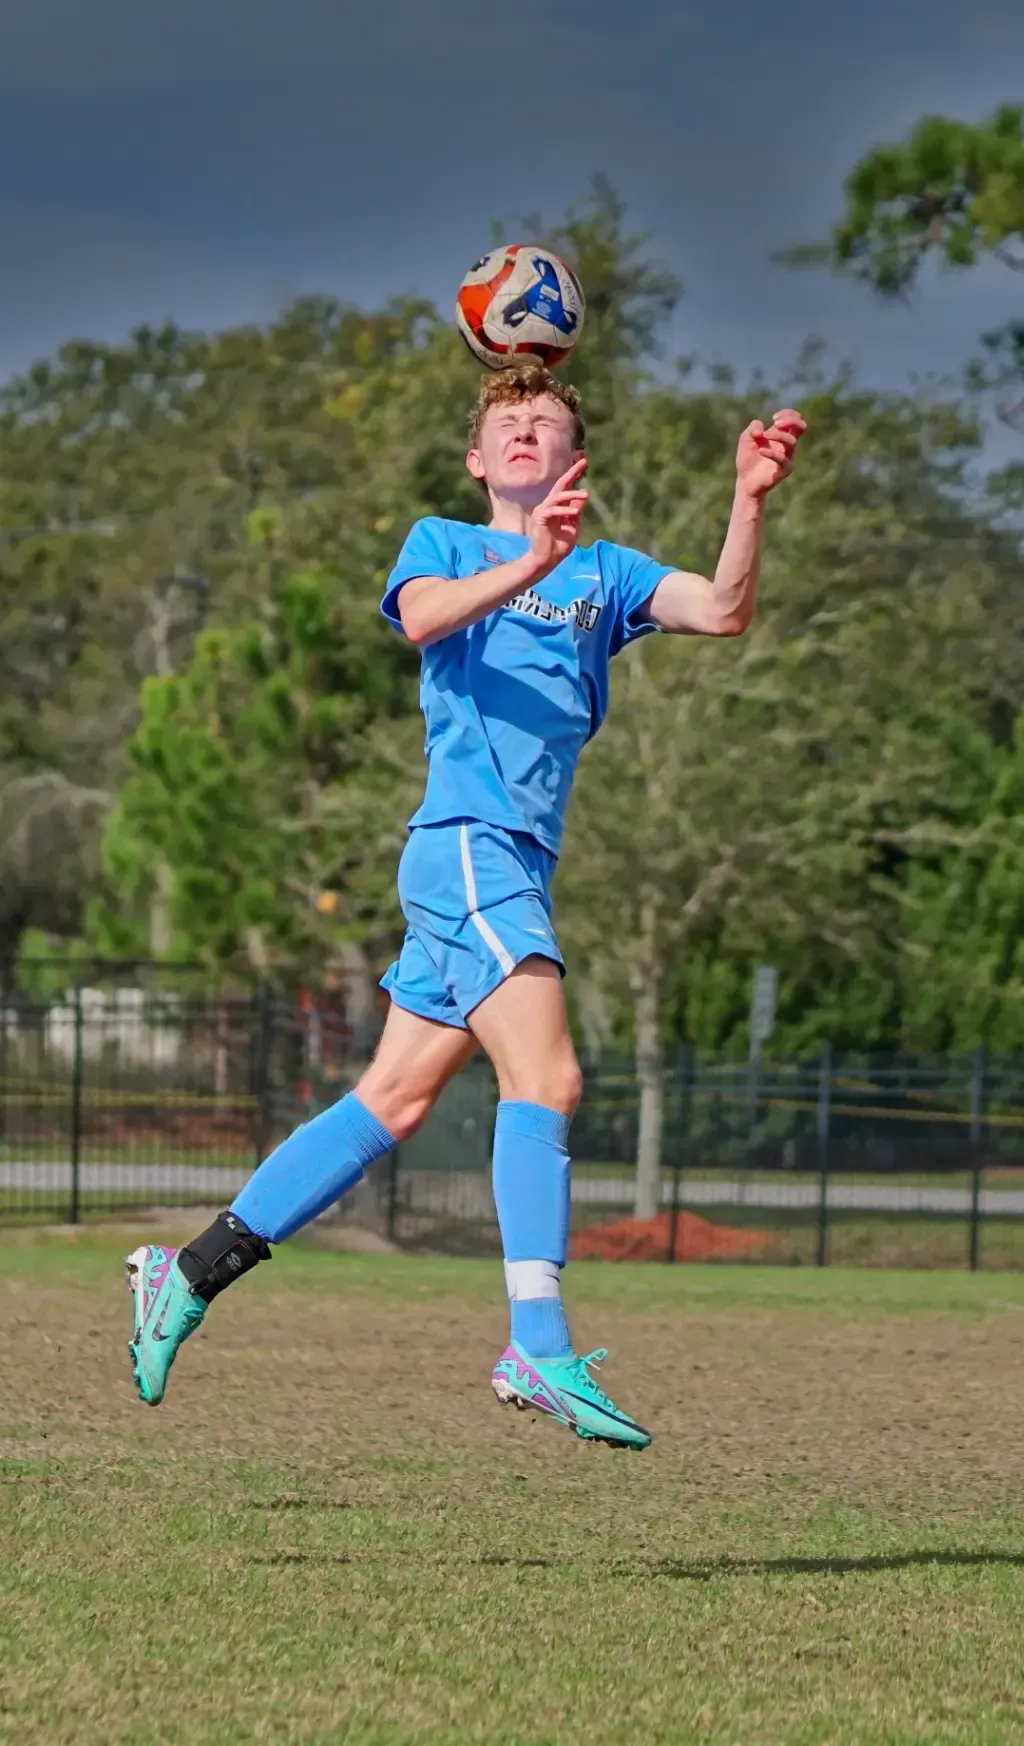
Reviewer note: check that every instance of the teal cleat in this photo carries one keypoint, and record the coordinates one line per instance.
(565, 1390)
(166, 1313)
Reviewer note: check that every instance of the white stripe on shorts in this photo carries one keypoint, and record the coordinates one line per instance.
(483, 928)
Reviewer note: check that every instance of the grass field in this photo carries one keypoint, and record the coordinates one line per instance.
(331, 1533)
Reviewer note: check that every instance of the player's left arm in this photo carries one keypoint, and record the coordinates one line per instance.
(688, 604)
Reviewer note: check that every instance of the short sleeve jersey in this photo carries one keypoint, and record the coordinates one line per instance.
(511, 701)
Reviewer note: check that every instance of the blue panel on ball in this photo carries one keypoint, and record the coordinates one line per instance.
(544, 299)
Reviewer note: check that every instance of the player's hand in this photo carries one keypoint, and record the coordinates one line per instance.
(765, 457)
(555, 523)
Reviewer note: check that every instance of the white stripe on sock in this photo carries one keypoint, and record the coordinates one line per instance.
(532, 1279)
(483, 928)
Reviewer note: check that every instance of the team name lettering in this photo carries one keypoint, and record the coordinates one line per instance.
(585, 612)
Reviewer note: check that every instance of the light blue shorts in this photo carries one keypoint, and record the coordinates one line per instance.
(476, 901)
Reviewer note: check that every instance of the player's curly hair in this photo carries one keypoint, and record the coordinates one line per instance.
(525, 380)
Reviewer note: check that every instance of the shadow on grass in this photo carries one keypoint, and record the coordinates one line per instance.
(678, 1569)
(293, 1557)
(708, 1570)
(292, 1501)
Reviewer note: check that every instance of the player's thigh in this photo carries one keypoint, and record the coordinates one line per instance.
(524, 1028)
(414, 1061)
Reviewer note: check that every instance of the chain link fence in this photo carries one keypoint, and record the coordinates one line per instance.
(121, 1100)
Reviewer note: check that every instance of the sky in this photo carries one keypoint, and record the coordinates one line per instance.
(212, 159)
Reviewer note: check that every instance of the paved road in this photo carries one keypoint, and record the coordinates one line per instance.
(848, 1196)
(159, 1181)
(467, 1193)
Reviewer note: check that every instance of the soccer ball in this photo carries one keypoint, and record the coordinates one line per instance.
(520, 302)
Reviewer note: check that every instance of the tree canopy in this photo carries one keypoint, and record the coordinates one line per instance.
(210, 741)
(952, 189)
(952, 192)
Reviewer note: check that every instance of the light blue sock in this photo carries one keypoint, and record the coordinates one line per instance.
(531, 1193)
(539, 1327)
(312, 1169)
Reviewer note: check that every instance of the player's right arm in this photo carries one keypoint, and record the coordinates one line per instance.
(432, 607)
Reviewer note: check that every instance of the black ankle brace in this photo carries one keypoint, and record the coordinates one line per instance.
(218, 1257)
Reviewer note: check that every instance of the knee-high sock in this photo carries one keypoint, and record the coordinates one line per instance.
(312, 1169)
(531, 1193)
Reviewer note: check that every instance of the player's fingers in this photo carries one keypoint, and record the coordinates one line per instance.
(780, 434)
(767, 445)
(569, 502)
(791, 420)
(571, 475)
(755, 428)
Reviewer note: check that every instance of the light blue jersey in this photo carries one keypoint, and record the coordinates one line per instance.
(511, 701)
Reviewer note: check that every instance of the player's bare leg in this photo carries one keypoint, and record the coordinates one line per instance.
(313, 1168)
(524, 1028)
(414, 1061)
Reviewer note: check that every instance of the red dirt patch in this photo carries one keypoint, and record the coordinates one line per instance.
(697, 1239)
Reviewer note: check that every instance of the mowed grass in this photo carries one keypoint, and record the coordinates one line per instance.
(331, 1533)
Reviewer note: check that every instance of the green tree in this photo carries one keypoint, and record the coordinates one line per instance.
(962, 935)
(952, 191)
(260, 825)
(146, 489)
(215, 516)
(394, 410)
(764, 797)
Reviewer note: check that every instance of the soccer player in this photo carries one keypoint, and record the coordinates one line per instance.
(516, 623)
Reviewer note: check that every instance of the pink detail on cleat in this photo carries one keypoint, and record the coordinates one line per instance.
(148, 1269)
(541, 1394)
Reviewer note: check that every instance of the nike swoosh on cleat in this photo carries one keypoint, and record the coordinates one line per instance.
(617, 1418)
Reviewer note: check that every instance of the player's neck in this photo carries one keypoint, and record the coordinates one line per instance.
(513, 520)
(512, 514)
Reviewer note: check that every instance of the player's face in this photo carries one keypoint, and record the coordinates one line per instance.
(524, 448)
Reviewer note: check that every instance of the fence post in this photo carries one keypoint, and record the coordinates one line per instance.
(975, 1134)
(824, 1127)
(261, 1073)
(77, 1074)
(682, 1128)
(4, 1020)
(392, 1206)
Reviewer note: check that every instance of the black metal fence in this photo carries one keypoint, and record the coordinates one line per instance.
(125, 1100)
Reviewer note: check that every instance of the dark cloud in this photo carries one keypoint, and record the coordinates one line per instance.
(212, 158)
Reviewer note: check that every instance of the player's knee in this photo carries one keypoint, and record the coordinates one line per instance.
(408, 1114)
(570, 1087)
(556, 1083)
(397, 1105)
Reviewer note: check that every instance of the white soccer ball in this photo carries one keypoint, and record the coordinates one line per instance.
(521, 301)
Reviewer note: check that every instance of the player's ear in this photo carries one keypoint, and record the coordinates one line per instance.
(474, 463)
